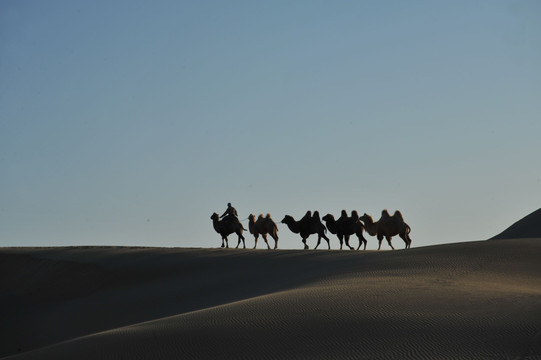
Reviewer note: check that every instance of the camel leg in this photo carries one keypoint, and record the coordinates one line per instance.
(241, 238)
(226, 242)
(243, 241)
(318, 242)
(362, 240)
(406, 239)
(266, 242)
(322, 234)
(275, 241)
(389, 239)
(341, 241)
(305, 245)
(380, 239)
(346, 238)
(256, 236)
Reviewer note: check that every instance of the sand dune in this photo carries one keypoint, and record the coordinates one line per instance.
(465, 300)
(527, 227)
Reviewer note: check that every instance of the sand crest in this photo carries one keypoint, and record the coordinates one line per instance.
(465, 300)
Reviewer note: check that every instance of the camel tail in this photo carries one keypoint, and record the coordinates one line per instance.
(408, 230)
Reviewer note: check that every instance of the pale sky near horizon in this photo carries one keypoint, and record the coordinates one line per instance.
(131, 122)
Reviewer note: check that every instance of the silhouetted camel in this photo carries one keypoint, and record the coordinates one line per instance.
(346, 226)
(306, 226)
(387, 227)
(228, 225)
(263, 226)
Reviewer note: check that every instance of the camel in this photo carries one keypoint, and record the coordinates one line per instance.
(228, 225)
(345, 226)
(387, 227)
(306, 226)
(263, 226)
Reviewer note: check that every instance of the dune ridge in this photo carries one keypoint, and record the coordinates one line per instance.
(466, 300)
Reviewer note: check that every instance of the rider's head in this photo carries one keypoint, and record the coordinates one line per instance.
(228, 204)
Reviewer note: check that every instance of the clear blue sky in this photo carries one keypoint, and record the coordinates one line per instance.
(130, 122)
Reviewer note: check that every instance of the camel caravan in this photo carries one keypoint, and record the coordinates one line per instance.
(343, 227)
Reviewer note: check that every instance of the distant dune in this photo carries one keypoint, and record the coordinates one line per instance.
(527, 227)
(466, 300)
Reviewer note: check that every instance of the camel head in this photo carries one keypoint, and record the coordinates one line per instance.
(367, 219)
(251, 223)
(216, 222)
(328, 218)
(288, 219)
(291, 223)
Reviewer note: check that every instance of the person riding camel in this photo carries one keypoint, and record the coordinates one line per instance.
(230, 211)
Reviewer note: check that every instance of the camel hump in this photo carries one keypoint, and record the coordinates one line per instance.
(268, 216)
(260, 216)
(385, 214)
(307, 216)
(398, 215)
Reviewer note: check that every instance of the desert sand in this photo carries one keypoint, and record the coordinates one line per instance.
(476, 300)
